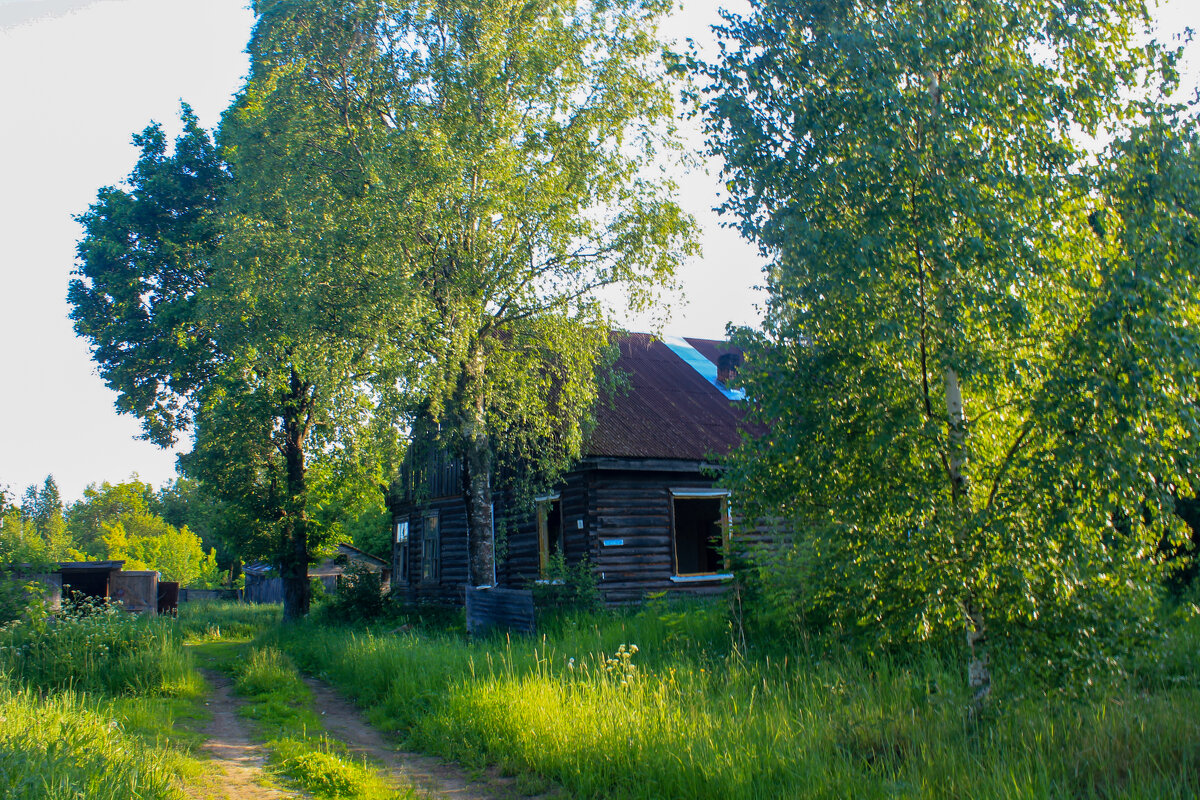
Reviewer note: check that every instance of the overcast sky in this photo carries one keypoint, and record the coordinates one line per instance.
(77, 78)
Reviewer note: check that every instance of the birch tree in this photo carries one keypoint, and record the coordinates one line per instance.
(979, 361)
(522, 134)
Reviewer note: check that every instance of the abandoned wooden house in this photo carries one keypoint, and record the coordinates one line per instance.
(641, 505)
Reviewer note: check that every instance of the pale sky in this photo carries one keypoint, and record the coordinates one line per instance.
(77, 79)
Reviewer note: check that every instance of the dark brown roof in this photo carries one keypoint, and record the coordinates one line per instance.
(668, 410)
(712, 348)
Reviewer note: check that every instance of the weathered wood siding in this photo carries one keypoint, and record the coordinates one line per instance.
(447, 587)
(627, 501)
(522, 564)
(633, 507)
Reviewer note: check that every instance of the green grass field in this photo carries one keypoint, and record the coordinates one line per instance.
(689, 715)
(662, 702)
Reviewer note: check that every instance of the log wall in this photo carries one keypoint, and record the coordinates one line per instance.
(616, 513)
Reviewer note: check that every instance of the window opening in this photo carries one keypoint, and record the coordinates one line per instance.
(699, 534)
(550, 531)
(402, 551)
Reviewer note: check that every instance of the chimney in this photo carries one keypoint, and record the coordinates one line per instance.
(727, 367)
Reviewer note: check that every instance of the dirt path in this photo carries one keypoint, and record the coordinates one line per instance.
(229, 746)
(432, 776)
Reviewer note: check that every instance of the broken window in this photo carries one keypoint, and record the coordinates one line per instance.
(550, 531)
(698, 532)
(431, 551)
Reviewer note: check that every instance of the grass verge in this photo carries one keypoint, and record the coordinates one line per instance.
(100, 705)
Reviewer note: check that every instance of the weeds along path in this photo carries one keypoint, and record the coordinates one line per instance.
(231, 749)
(434, 777)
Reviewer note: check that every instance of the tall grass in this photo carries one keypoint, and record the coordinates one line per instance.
(108, 653)
(211, 620)
(96, 704)
(691, 716)
(60, 747)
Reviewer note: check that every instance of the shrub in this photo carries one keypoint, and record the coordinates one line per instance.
(567, 588)
(359, 596)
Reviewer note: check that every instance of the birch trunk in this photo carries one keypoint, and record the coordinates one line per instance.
(477, 480)
(979, 676)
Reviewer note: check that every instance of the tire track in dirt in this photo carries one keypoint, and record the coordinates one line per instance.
(231, 749)
(431, 776)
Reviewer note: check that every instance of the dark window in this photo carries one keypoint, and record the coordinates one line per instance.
(550, 531)
(431, 551)
(699, 535)
(402, 551)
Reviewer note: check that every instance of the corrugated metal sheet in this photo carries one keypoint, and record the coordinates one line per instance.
(668, 409)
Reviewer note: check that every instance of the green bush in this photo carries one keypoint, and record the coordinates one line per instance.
(359, 596)
(20, 595)
(567, 588)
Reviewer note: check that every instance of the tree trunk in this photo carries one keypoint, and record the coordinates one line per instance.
(293, 561)
(477, 478)
(979, 676)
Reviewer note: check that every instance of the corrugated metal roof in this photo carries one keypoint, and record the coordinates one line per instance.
(668, 409)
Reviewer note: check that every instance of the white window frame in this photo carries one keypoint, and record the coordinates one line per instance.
(700, 494)
(403, 548)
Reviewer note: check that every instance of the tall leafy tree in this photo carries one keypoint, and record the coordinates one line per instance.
(979, 360)
(519, 139)
(106, 502)
(230, 292)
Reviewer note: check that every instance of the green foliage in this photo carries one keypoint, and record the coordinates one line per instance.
(147, 542)
(106, 503)
(359, 596)
(22, 595)
(35, 532)
(44, 505)
(505, 145)
(979, 360)
(21, 542)
(121, 522)
(261, 397)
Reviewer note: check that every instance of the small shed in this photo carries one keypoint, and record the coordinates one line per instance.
(92, 579)
(263, 584)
